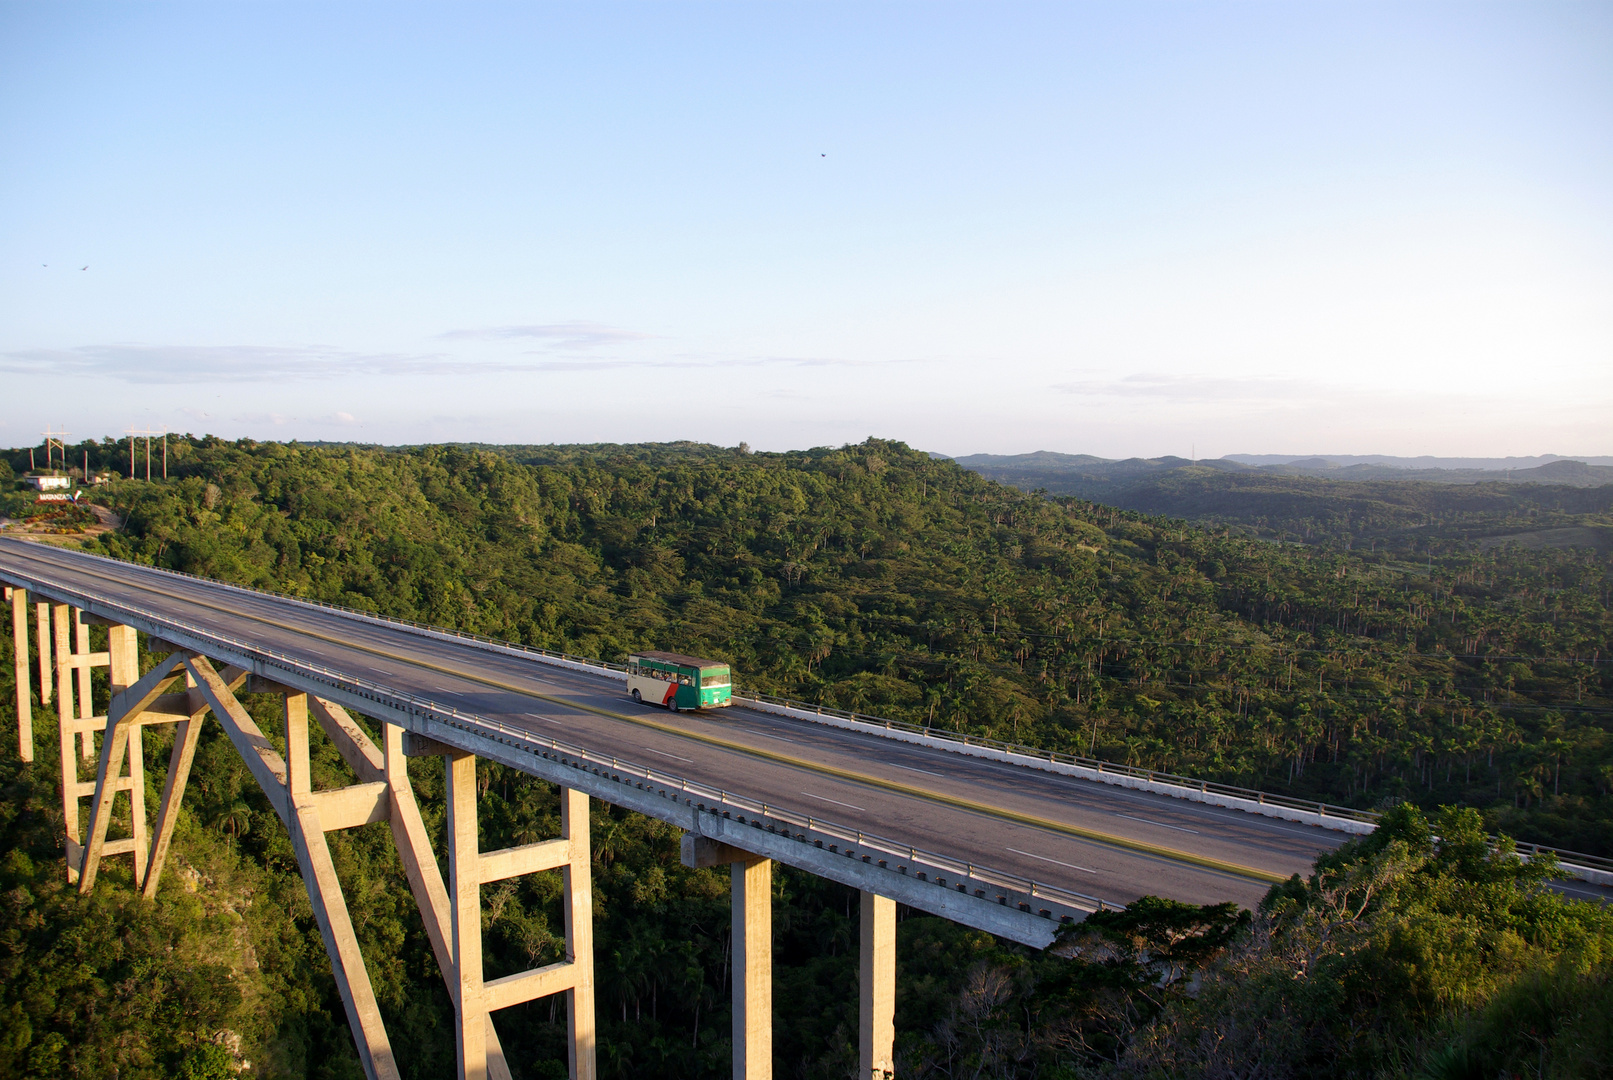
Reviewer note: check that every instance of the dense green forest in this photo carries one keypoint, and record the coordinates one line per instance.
(873, 577)
(876, 578)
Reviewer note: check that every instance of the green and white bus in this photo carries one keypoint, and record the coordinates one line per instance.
(677, 681)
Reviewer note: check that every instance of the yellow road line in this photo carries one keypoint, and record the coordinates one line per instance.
(1124, 843)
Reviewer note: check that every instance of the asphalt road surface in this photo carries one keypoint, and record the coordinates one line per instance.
(1095, 839)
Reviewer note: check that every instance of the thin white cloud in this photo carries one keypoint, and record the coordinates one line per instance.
(566, 335)
(177, 364)
(619, 363)
(1197, 387)
(166, 365)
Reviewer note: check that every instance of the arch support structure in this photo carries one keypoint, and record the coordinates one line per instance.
(183, 689)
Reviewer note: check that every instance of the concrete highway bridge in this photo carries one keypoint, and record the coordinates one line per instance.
(1008, 840)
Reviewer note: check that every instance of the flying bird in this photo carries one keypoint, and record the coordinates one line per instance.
(83, 268)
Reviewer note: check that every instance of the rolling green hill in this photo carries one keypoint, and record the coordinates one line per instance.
(878, 578)
(1560, 504)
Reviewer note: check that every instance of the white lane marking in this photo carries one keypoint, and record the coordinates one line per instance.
(663, 753)
(1161, 824)
(780, 738)
(444, 690)
(545, 719)
(837, 802)
(1056, 862)
(910, 768)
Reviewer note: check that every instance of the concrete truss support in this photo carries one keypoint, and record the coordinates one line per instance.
(469, 869)
(122, 741)
(19, 642)
(300, 809)
(77, 726)
(876, 1013)
(187, 710)
(752, 900)
(183, 689)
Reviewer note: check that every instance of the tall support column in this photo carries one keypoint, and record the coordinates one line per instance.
(465, 916)
(124, 671)
(25, 707)
(577, 875)
(876, 1016)
(68, 742)
(752, 899)
(296, 715)
(46, 669)
(86, 696)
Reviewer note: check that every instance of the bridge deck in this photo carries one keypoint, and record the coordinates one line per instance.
(1059, 830)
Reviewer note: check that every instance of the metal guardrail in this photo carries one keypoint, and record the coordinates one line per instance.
(1573, 858)
(1026, 894)
(1567, 858)
(1153, 776)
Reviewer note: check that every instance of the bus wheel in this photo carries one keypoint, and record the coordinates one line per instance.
(672, 706)
(637, 698)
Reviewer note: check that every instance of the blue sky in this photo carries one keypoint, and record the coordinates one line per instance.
(1114, 229)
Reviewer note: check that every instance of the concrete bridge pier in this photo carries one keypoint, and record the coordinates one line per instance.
(18, 599)
(752, 935)
(876, 1006)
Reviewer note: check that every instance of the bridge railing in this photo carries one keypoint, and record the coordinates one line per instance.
(1153, 776)
(942, 734)
(1025, 894)
(371, 616)
(1567, 858)
(1596, 863)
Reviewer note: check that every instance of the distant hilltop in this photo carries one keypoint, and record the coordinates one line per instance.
(1327, 461)
(1056, 471)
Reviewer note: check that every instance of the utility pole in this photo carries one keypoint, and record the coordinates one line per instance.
(148, 433)
(54, 440)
